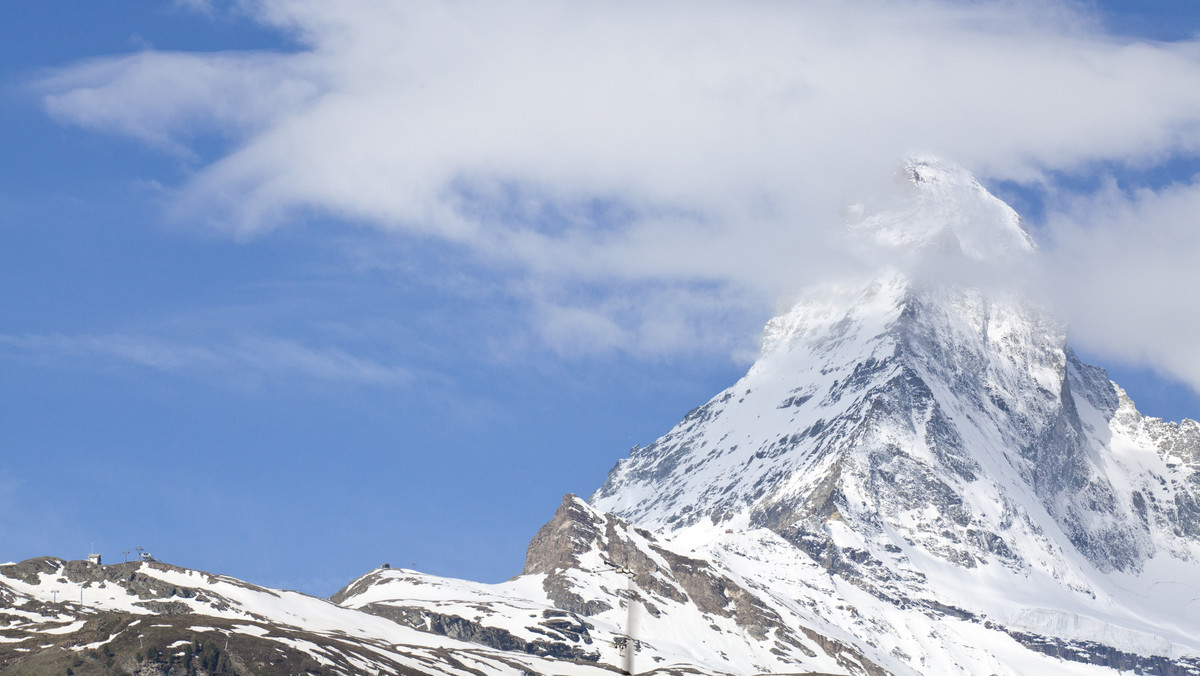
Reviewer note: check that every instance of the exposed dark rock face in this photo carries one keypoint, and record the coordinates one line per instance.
(1090, 652)
(572, 531)
(564, 633)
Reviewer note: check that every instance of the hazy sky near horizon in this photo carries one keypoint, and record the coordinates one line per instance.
(294, 287)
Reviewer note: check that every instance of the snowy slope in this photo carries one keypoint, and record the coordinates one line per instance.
(131, 611)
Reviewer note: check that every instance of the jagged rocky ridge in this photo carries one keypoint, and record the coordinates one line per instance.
(917, 476)
(155, 619)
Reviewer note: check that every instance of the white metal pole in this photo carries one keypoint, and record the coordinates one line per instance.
(631, 628)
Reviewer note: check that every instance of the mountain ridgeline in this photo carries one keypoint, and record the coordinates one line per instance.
(917, 476)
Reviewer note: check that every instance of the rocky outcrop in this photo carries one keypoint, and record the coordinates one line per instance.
(1092, 652)
(567, 635)
(660, 576)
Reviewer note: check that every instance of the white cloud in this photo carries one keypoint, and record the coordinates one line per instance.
(167, 98)
(246, 359)
(719, 138)
(650, 320)
(1127, 266)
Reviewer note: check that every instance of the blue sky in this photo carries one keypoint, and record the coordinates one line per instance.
(291, 290)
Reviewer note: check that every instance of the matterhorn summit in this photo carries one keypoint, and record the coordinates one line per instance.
(917, 476)
(938, 204)
(936, 447)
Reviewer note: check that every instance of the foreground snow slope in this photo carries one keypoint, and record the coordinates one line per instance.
(152, 617)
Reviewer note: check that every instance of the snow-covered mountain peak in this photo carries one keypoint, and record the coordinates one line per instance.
(873, 362)
(935, 206)
(904, 429)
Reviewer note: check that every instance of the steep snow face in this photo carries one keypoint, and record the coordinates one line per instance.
(939, 443)
(880, 402)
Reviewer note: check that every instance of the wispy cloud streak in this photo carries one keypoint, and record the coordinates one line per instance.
(255, 357)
